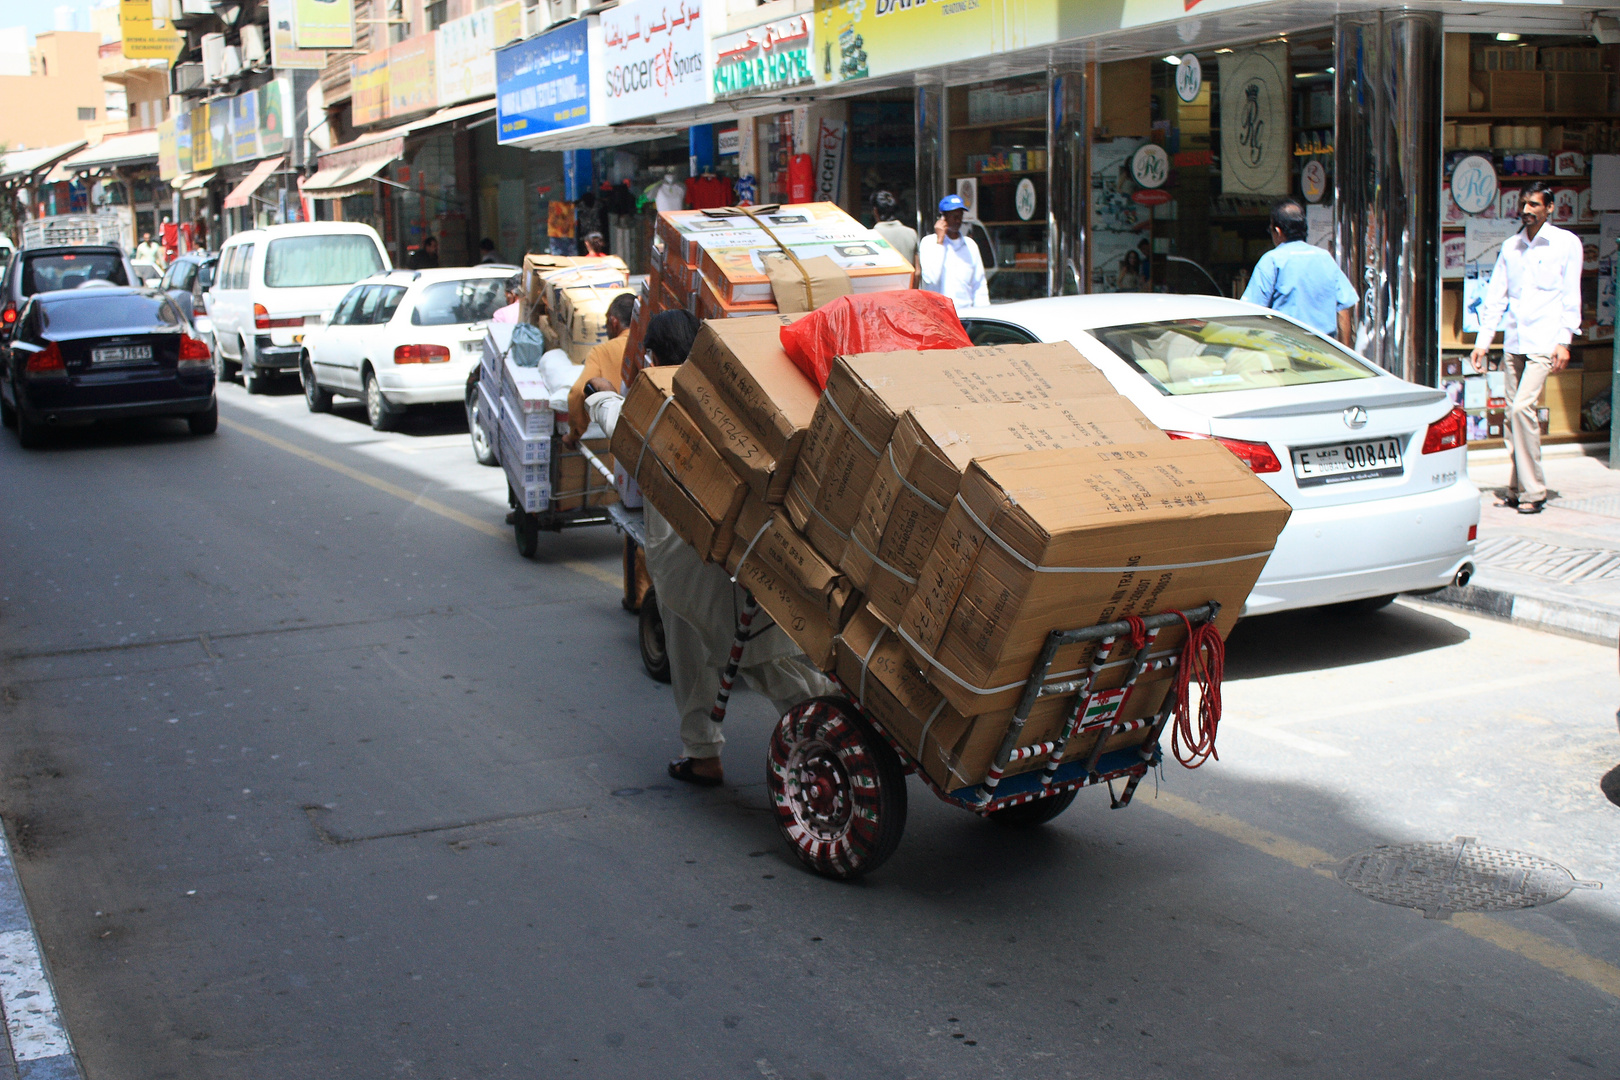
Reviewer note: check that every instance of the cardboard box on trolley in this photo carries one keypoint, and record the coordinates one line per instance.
(1062, 539)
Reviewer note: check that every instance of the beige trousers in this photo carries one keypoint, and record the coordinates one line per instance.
(1524, 377)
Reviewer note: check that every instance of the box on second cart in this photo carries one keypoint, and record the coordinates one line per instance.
(497, 342)
(489, 415)
(578, 484)
(1059, 539)
(525, 390)
(530, 450)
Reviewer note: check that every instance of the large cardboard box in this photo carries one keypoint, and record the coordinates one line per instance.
(580, 315)
(867, 394)
(1062, 539)
(685, 233)
(748, 398)
(678, 471)
(712, 306)
(740, 274)
(766, 536)
(576, 483)
(921, 469)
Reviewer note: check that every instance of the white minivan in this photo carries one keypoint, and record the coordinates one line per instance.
(273, 282)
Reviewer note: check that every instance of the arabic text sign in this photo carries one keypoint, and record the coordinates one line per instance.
(284, 50)
(543, 84)
(323, 24)
(465, 57)
(368, 85)
(763, 60)
(860, 38)
(653, 58)
(147, 38)
(412, 85)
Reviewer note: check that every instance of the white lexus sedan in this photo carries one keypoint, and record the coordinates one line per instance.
(1375, 467)
(402, 338)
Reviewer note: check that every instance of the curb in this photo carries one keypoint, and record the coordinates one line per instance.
(36, 1040)
(1598, 625)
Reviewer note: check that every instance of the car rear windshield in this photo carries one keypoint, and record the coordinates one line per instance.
(446, 302)
(299, 262)
(1236, 352)
(122, 313)
(69, 270)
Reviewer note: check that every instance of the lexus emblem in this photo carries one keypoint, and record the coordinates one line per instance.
(1355, 417)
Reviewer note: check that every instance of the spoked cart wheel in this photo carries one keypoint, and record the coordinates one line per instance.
(838, 789)
(654, 654)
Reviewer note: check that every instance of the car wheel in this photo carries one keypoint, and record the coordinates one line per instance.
(316, 396)
(204, 423)
(483, 449)
(30, 436)
(8, 415)
(379, 412)
(252, 381)
(223, 368)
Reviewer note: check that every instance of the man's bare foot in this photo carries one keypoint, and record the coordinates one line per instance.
(704, 772)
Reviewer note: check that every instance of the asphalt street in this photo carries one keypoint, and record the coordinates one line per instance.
(308, 774)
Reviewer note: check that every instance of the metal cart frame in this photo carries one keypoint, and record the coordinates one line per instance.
(527, 526)
(837, 778)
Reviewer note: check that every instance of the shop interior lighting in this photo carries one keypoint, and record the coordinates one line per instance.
(1507, 37)
(1218, 52)
(1173, 61)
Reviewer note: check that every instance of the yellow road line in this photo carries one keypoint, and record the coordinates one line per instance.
(432, 506)
(1533, 947)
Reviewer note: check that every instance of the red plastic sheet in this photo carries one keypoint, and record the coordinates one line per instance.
(873, 322)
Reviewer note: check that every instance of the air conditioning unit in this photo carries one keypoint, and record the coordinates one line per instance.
(188, 77)
(556, 11)
(232, 61)
(253, 45)
(213, 50)
(194, 7)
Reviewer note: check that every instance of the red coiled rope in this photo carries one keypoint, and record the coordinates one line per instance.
(1203, 658)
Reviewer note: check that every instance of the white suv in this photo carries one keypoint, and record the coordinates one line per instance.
(274, 282)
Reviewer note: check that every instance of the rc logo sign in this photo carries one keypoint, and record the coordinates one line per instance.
(653, 59)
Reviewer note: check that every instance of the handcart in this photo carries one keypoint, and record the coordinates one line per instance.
(576, 497)
(639, 596)
(837, 779)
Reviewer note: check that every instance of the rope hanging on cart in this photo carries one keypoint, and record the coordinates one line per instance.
(1202, 658)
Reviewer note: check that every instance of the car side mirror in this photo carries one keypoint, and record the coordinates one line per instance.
(185, 302)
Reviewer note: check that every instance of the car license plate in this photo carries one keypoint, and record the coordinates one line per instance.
(121, 354)
(1338, 463)
(473, 345)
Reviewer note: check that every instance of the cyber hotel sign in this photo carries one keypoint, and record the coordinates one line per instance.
(653, 59)
(764, 60)
(543, 85)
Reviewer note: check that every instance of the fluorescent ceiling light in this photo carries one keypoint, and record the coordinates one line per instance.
(1173, 61)
(1220, 51)
(1507, 37)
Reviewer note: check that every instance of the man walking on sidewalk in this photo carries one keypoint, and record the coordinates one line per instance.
(1536, 287)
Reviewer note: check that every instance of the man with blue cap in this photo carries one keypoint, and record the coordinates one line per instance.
(948, 262)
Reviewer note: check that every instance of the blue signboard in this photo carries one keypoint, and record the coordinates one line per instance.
(543, 84)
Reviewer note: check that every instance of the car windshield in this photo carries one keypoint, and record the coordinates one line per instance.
(1235, 352)
(122, 313)
(447, 302)
(296, 262)
(69, 270)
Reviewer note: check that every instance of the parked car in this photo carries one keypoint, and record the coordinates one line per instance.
(44, 269)
(1375, 467)
(102, 354)
(407, 337)
(188, 279)
(274, 284)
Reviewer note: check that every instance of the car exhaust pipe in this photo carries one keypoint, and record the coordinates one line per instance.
(1463, 575)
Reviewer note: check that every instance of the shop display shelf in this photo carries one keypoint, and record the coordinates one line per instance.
(1006, 125)
(1005, 224)
(1001, 172)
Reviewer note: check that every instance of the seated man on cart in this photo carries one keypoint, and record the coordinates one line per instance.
(700, 605)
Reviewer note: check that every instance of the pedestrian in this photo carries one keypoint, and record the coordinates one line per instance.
(426, 256)
(486, 252)
(901, 237)
(1301, 280)
(699, 604)
(1536, 287)
(595, 246)
(948, 262)
(148, 252)
(514, 301)
(603, 361)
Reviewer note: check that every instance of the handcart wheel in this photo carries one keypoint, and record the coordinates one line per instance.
(838, 789)
(527, 531)
(654, 657)
(1039, 812)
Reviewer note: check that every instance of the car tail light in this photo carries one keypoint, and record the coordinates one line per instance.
(1257, 456)
(48, 361)
(421, 354)
(194, 352)
(1447, 433)
(1473, 533)
(261, 317)
(9, 315)
(283, 323)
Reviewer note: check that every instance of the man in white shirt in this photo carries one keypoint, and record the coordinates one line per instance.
(948, 262)
(1536, 287)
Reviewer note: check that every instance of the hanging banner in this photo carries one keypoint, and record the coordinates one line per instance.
(543, 84)
(1256, 148)
(860, 38)
(368, 88)
(182, 142)
(168, 156)
(146, 38)
(464, 58)
(412, 84)
(284, 50)
(323, 24)
(830, 161)
(765, 60)
(245, 126)
(652, 59)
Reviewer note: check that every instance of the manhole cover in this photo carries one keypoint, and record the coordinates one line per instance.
(1438, 879)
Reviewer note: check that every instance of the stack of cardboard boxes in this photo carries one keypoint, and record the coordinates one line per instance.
(922, 526)
(576, 292)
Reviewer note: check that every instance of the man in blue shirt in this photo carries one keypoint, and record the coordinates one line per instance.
(1301, 280)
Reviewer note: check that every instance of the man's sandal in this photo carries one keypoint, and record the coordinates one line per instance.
(681, 769)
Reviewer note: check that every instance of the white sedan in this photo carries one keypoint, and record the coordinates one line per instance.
(402, 338)
(1375, 467)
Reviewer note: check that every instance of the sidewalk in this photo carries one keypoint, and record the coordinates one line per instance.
(1558, 570)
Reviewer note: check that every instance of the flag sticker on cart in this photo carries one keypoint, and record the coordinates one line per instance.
(1103, 706)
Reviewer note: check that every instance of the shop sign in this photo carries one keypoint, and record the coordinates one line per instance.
(182, 142)
(728, 142)
(1189, 78)
(323, 24)
(764, 60)
(543, 84)
(202, 152)
(830, 161)
(275, 112)
(1313, 181)
(653, 59)
(1150, 197)
(412, 85)
(1024, 199)
(856, 39)
(284, 51)
(168, 157)
(220, 133)
(1473, 184)
(368, 88)
(1256, 151)
(1150, 165)
(145, 37)
(245, 126)
(464, 57)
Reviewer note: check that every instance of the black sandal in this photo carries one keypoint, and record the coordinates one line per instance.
(681, 769)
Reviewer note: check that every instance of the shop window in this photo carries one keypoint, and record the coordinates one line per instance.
(996, 160)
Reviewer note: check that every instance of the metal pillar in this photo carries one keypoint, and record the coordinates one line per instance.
(931, 180)
(1387, 182)
(1068, 181)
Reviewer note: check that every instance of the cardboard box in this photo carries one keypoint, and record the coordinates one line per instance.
(801, 616)
(765, 536)
(544, 274)
(712, 306)
(525, 391)
(686, 233)
(676, 468)
(740, 275)
(529, 449)
(576, 484)
(867, 394)
(919, 473)
(1062, 539)
(580, 314)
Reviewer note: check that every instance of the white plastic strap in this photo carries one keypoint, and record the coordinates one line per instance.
(646, 439)
(923, 738)
(842, 535)
(866, 661)
(853, 430)
(913, 488)
(749, 550)
(982, 691)
(907, 578)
